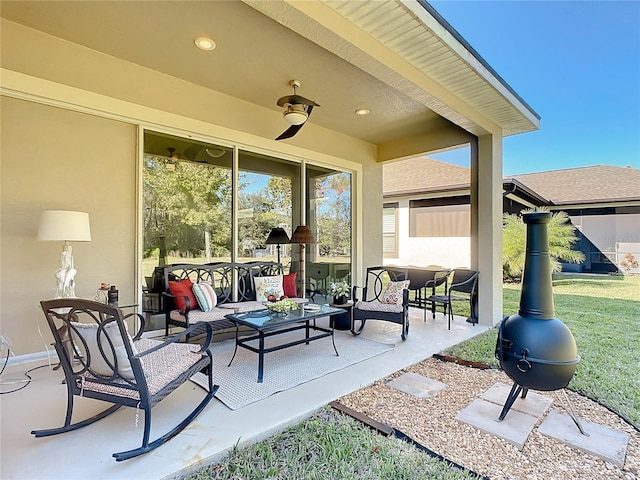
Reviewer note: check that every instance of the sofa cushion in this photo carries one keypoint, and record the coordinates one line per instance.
(266, 286)
(238, 307)
(181, 289)
(198, 315)
(205, 295)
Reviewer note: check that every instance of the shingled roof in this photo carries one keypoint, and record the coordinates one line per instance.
(422, 174)
(595, 184)
(583, 185)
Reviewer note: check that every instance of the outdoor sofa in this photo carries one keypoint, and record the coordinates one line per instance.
(207, 292)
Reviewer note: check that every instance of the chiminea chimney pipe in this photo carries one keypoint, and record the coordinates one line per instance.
(536, 297)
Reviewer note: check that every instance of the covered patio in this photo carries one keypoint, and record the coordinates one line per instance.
(87, 452)
(85, 85)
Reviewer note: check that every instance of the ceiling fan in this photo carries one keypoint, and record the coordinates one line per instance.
(171, 160)
(297, 110)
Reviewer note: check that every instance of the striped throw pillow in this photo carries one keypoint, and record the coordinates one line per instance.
(205, 295)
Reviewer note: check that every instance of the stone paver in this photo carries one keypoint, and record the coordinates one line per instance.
(417, 385)
(534, 403)
(483, 415)
(602, 442)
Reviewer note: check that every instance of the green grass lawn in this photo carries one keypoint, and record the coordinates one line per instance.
(330, 445)
(603, 314)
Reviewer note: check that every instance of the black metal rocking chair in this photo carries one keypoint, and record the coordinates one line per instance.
(373, 305)
(101, 361)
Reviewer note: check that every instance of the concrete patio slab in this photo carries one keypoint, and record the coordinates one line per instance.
(483, 415)
(417, 385)
(217, 429)
(603, 442)
(534, 403)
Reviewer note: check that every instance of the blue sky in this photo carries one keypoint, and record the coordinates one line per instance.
(577, 64)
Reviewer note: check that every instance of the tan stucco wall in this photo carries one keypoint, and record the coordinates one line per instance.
(93, 165)
(54, 159)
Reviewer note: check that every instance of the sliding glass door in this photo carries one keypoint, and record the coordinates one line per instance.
(186, 202)
(329, 216)
(188, 210)
(268, 197)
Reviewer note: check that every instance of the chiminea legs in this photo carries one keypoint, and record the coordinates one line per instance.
(513, 395)
(567, 406)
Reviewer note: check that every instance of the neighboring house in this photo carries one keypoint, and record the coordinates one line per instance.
(603, 202)
(95, 94)
(427, 220)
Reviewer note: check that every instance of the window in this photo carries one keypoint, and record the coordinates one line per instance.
(390, 230)
(186, 202)
(329, 216)
(268, 188)
(440, 221)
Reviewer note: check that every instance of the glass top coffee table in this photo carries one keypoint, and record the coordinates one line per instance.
(267, 324)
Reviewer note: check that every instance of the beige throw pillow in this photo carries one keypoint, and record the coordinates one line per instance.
(393, 293)
(89, 332)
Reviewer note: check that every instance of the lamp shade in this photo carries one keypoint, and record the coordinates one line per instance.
(63, 225)
(303, 234)
(277, 235)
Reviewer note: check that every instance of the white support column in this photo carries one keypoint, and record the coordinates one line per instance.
(486, 225)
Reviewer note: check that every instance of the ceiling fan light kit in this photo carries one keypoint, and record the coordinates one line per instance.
(297, 110)
(295, 114)
(215, 152)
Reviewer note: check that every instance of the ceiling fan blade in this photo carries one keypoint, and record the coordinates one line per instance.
(293, 129)
(295, 99)
(290, 132)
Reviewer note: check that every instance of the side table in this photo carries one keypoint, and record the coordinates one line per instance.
(342, 321)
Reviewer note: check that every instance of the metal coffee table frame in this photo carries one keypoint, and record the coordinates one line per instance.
(268, 324)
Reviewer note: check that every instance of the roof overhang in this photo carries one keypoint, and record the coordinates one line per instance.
(427, 89)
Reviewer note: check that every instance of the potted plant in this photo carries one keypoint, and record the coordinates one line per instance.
(340, 292)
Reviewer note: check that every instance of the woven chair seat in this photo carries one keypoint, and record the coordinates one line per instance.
(376, 306)
(160, 369)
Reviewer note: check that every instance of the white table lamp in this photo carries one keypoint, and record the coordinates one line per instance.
(64, 226)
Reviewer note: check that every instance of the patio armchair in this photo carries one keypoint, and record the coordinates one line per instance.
(424, 282)
(103, 362)
(462, 288)
(385, 296)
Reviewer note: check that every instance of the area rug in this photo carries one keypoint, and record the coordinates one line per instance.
(283, 369)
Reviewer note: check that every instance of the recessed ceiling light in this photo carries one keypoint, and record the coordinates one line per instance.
(362, 111)
(205, 43)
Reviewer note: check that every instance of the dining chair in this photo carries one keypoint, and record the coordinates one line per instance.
(462, 288)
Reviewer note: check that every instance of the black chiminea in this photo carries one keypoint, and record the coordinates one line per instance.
(535, 349)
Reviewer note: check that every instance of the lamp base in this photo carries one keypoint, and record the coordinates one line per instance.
(65, 275)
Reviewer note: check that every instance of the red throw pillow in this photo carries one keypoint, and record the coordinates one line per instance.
(289, 285)
(183, 289)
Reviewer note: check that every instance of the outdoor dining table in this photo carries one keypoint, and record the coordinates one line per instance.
(423, 281)
(267, 324)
